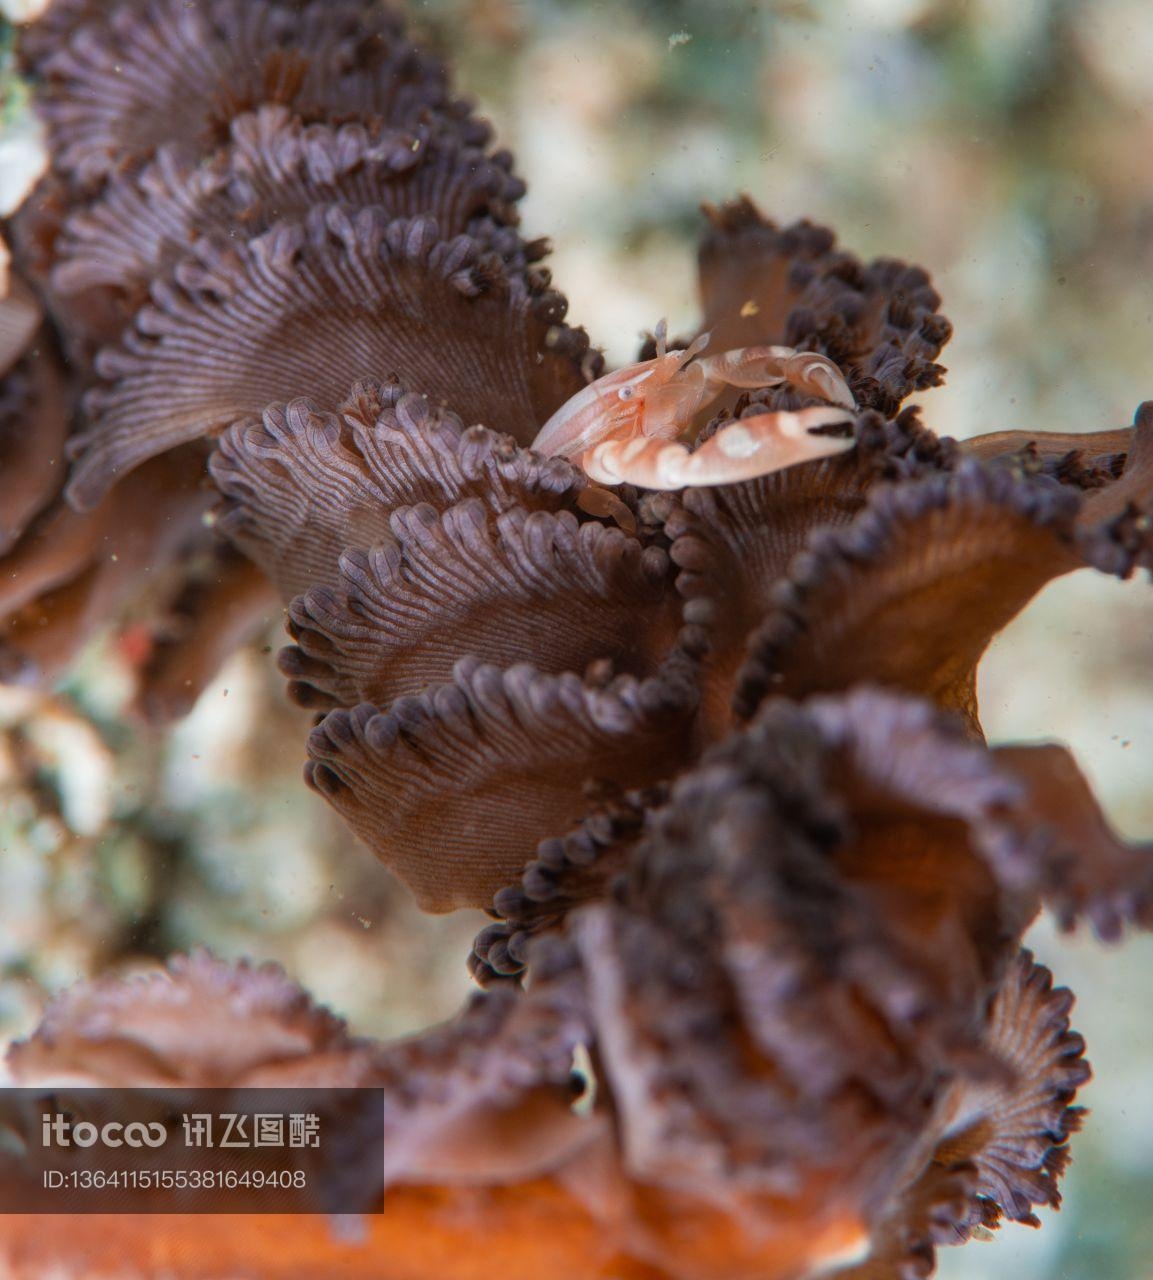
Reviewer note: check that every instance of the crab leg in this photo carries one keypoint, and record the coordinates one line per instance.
(746, 448)
(604, 503)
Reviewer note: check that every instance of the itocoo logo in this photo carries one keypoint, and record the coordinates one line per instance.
(59, 1131)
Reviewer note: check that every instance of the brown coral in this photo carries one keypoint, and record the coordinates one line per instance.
(804, 1019)
(715, 762)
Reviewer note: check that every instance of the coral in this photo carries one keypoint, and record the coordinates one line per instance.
(712, 758)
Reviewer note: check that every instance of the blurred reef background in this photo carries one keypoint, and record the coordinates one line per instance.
(1004, 147)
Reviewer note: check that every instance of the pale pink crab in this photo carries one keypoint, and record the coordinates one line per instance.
(623, 428)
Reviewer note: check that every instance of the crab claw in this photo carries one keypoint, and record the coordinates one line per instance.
(770, 366)
(815, 374)
(747, 448)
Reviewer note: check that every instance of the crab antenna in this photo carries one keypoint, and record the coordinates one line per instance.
(698, 344)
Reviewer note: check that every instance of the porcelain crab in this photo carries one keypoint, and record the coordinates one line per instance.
(623, 428)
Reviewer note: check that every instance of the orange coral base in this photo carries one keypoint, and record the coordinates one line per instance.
(526, 1231)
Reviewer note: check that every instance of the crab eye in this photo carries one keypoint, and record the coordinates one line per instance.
(626, 393)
